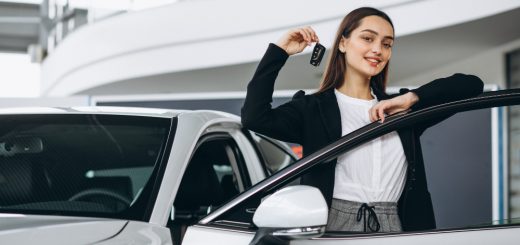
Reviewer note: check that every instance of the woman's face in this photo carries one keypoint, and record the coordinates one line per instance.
(369, 47)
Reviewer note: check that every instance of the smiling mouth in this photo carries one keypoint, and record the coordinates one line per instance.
(373, 62)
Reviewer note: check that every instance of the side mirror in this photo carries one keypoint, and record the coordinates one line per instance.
(294, 212)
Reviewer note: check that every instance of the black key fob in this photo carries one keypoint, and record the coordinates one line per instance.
(317, 54)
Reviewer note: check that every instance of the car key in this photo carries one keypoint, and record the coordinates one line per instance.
(317, 54)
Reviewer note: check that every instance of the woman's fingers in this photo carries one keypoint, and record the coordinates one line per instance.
(295, 40)
(387, 107)
(378, 111)
(306, 36)
(381, 113)
(373, 113)
(311, 33)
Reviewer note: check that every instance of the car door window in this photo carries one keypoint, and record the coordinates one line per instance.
(275, 156)
(458, 160)
(216, 173)
(468, 139)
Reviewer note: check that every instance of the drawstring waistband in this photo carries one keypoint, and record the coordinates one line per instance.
(373, 222)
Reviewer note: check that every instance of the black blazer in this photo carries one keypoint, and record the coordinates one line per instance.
(314, 121)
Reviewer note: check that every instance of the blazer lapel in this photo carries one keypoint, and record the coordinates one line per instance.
(381, 95)
(330, 115)
(329, 110)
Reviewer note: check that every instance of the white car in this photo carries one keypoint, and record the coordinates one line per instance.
(165, 177)
(122, 175)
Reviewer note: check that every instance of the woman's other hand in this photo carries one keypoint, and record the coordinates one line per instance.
(392, 106)
(295, 40)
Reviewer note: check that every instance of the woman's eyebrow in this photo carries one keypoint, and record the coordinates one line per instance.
(375, 33)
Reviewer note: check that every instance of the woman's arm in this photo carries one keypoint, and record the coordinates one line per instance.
(284, 122)
(456, 87)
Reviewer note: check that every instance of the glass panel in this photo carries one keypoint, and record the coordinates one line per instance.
(84, 165)
(215, 174)
(275, 158)
(210, 180)
(458, 158)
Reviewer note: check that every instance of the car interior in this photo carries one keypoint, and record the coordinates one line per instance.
(77, 166)
(211, 179)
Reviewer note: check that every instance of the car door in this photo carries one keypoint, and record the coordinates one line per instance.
(225, 162)
(233, 222)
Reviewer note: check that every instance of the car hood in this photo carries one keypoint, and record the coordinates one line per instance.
(42, 229)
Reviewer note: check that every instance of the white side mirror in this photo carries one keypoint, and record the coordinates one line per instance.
(294, 212)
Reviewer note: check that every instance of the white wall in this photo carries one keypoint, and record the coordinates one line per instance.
(490, 66)
(19, 77)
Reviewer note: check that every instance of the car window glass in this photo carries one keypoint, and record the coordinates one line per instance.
(465, 160)
(457, 155)
(216, 173)
(274, 155)
(82, 165)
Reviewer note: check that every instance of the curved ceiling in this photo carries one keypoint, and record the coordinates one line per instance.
(413, 55)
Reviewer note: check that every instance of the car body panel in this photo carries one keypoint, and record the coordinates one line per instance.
(197, 235)
(503, 235)
(42, 229)
(500, 235)
(98, 110)
(136, 232)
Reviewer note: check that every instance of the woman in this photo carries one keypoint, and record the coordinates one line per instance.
(364, 192)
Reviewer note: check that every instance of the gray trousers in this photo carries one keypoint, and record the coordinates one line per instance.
(358, 217)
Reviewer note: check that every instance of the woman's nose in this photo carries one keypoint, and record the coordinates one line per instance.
(376, 49)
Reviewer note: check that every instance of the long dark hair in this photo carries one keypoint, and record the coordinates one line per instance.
(336, 64)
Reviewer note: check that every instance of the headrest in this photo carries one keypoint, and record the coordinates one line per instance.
(200, 185)
(17, 182)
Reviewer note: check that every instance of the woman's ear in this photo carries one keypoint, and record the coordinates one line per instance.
(342, 44)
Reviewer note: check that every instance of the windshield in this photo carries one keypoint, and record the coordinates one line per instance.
(81, 165)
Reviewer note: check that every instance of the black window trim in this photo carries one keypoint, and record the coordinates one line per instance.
(248, 134)
(277, 145)
(158, 172)
(260, 153)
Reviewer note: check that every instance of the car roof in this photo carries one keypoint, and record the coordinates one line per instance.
(115, 110)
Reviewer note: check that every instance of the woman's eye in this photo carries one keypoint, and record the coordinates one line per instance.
(368, 39)
(387, 45)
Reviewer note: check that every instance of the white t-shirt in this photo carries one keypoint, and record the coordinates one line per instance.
(374, 171)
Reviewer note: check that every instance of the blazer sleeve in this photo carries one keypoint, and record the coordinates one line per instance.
(443, 90)
(285, 121)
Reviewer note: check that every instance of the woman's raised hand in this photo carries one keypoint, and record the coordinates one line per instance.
(392, 106)
(295, 40)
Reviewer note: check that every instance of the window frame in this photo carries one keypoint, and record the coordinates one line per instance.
(241, 167)
(260, 152)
